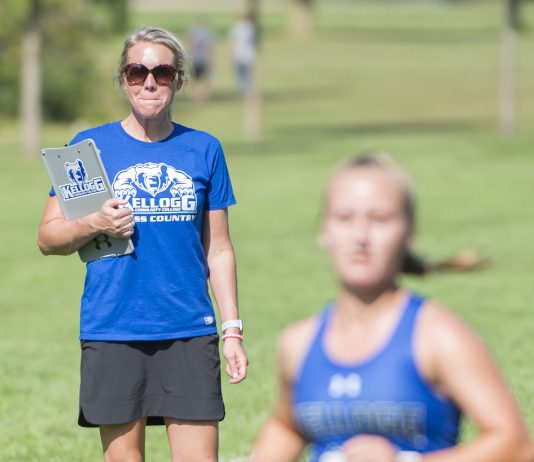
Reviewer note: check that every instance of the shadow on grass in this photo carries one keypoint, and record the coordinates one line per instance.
(410, 127)
(288, 94)
(416, 35)
(297, 138)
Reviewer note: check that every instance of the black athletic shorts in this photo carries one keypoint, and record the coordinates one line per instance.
(125, 381)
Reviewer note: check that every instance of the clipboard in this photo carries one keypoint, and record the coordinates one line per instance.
(82, 186)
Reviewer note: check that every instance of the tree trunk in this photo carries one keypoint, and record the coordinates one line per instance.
(120, 15)
(508, 78)
(253, 106)
(301, 21)
(514, 15)
(31, 110)
(253, 7)
(253, 100)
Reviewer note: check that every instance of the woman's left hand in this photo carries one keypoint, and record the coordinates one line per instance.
(368, 448)
(236, 360)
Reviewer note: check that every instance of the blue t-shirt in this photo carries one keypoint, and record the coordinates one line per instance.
(160, 291)
(384, 395)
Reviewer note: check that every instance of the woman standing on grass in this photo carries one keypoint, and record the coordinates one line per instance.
(148, 335)
(382, 374)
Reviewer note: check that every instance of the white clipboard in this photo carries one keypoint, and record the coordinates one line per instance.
(82, 186)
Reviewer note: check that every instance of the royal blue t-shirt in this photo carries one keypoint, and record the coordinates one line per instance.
(385, 395)
(160, 291)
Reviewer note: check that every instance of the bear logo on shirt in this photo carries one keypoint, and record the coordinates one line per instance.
(171, 191)
(153, 179)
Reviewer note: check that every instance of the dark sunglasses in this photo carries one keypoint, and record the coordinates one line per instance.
(136, 74)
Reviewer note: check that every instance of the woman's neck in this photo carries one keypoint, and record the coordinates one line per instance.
(361, 326)
(364, 304)
(150, 130)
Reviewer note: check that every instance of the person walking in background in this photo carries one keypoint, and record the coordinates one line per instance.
(243, 43)
(383, 374)
(149, 340)
(243, 49)
(201, 45)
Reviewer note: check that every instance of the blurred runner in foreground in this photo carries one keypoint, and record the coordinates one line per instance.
(383, 374)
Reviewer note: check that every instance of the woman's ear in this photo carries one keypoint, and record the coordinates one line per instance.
(122, 84)
(409, 240)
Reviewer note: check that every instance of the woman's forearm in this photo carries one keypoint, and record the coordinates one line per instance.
(58, 236)
(223, 282)
(64, 237)
(490, 447)
(277, 442)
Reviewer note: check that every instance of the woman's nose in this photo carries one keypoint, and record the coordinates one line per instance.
(150, 82)
(361, 230)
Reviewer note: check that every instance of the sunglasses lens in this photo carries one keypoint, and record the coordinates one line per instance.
(136, 74)
(164, 74)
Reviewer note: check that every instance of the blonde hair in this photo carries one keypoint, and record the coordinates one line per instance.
(162, 37)
(384, 162)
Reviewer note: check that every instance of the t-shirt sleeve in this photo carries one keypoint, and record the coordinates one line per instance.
(220, 192)
(77, 138)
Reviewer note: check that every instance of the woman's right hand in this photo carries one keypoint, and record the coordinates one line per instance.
(114, 218)
(368, 448)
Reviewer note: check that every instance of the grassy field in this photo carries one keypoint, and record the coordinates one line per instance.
(418, 80)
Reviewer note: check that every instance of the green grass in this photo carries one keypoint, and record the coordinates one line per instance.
(418, 80)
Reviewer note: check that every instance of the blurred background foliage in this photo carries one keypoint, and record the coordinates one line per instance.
(69, 30)
(11, 20)
(73, 31)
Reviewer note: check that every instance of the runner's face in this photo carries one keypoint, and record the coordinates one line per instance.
(366, 229)
(150, 100)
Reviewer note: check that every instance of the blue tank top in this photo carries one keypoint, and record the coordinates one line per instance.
(384, 395)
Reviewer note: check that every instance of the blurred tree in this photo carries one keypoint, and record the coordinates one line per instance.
(253, 7)
(53, 39)
(301, 21)
(117, 12)
(253, 101)
(31, 79)
(12, 14)
(513, 13)
(508, 79)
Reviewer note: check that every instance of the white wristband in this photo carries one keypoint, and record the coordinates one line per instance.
(232, 323)
(408, 456)
(333, 456)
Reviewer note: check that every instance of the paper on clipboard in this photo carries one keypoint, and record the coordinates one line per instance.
(82, 186)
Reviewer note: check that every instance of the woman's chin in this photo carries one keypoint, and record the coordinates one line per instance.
(366, 283)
